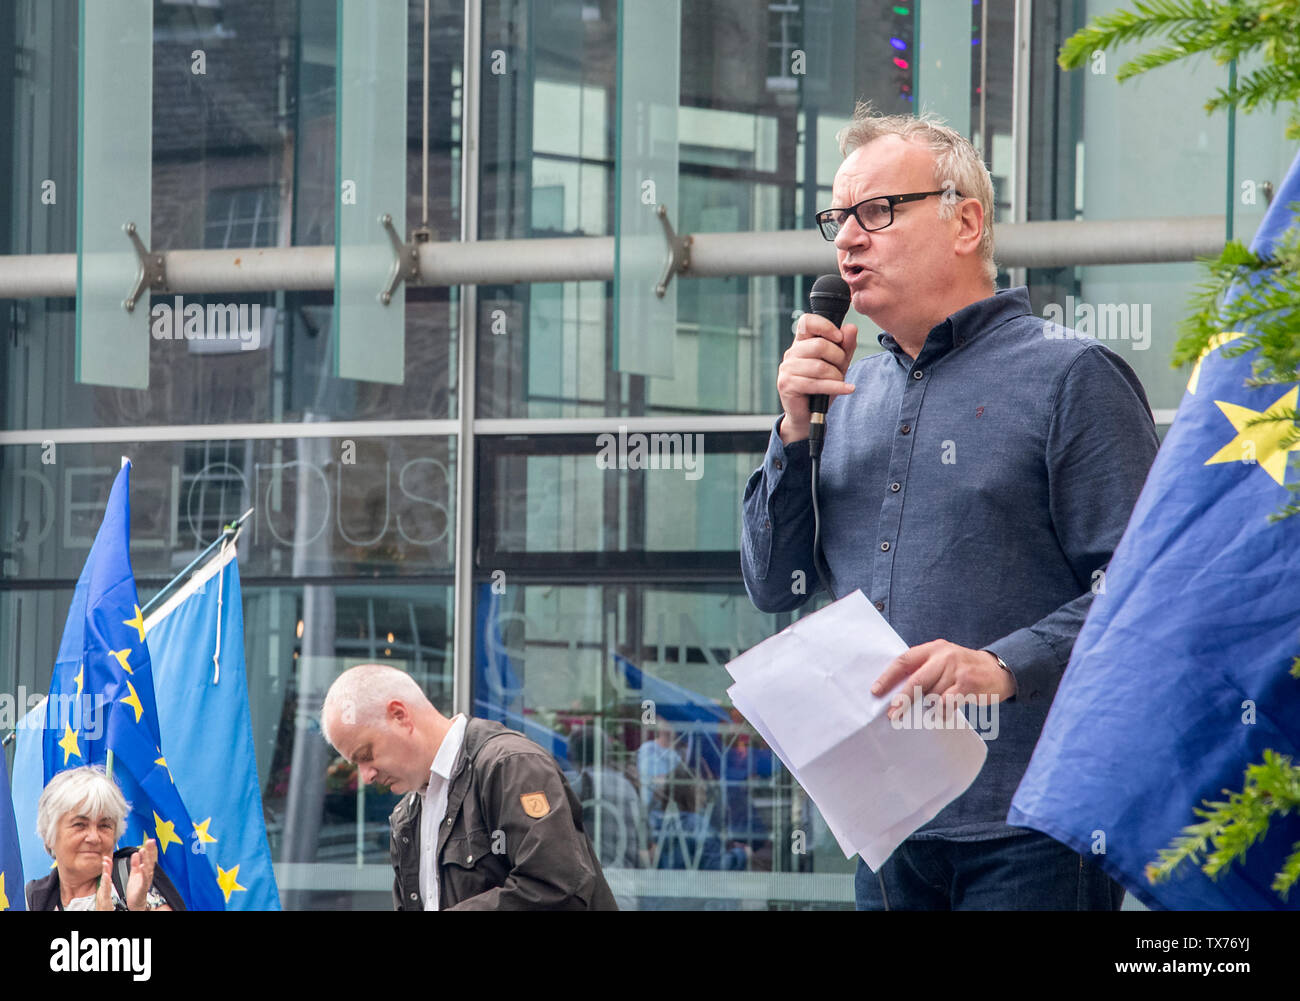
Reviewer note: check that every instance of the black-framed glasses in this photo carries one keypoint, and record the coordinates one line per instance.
(872, 213)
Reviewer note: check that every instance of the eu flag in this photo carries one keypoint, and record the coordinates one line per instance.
(11, 864)
(196, 644)
(102, 700)
(1180, 676)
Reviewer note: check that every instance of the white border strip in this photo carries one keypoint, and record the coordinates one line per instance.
(200, 577)
(714, 884)
(488, 426)
(597, 425)
(231, 432)
(381, 429)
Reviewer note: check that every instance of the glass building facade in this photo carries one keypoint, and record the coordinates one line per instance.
(426, 473)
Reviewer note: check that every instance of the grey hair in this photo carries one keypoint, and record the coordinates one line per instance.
(957, 163)
(360, 695)
(85, 791)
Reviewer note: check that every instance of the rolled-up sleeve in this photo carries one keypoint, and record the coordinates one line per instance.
(1100, 446)
(777, 528)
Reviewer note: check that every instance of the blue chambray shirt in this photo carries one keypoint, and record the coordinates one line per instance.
(972, 495)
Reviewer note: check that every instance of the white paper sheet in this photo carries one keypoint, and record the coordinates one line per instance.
(807, 691)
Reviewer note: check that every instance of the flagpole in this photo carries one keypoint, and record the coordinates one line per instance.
(229, 533)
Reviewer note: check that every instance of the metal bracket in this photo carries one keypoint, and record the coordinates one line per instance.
(679, 252)
(406, 264)
(152, 273)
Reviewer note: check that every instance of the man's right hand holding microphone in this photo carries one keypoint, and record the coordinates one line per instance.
(814, 364)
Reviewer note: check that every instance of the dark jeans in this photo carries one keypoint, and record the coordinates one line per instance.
(1028, 872)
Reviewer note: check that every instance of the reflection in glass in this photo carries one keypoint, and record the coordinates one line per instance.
(625, 685)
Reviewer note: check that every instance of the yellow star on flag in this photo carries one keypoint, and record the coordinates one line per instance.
(138, 622)
(201, 829)
(160, 760)
(228, 880)
(80, 677)
(69, 743)
(133, 701)
(166, 830)
(4, 901)
(1263, 442)
(121, 656)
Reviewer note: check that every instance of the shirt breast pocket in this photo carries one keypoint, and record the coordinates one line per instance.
(470, 866)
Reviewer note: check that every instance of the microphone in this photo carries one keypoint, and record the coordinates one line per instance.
(830, 300)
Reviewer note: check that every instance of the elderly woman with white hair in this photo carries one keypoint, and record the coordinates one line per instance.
(80, 816)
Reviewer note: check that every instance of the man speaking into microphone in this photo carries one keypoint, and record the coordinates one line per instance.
(975, 477)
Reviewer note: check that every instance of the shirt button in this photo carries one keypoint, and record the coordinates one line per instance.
(917, 374)
(405, 840)
(895, 487)
(906, 428)
(448, 821)
(776, 463)
(880, 606)
(415, 896)
(884, 547)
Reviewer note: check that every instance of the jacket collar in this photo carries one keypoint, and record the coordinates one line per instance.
(477, 733)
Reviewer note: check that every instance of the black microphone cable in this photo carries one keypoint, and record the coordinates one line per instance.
(830, 299)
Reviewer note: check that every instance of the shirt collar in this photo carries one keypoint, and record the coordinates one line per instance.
(964, 325)
(449, 749)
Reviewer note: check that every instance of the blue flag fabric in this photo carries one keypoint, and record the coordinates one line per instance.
(102, 699)
(28, 781)
(208, 733)
(1180, 678)
(12, 897)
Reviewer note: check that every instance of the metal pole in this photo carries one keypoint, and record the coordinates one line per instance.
(713, 255)
(424, 141)
(986, 147)
(463, 595)
(1230, 203)
(1020, 74)
(231, 531)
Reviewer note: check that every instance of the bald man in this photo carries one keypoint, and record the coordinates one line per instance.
(487, 821)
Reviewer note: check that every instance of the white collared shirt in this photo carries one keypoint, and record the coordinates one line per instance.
(434, 808)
